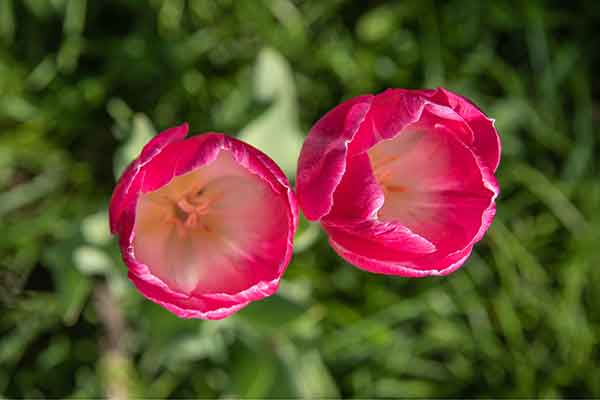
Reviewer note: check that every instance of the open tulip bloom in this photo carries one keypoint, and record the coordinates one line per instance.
(205, 224)
(402, 181)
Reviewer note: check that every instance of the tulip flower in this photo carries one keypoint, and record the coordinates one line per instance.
(403, 181)
(205, 224)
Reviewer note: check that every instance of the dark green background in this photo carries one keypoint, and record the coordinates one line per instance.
(83, 84)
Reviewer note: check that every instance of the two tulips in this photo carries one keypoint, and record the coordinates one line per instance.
(402, 182)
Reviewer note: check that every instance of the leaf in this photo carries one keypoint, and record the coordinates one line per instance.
(72, 287)
(551, 195)
(271, 313)
(7, 21)
(74, 21)
(141, 133)
(119, 376)
(316, 381)
(91, 260)
(17, 108)
(276, 132)
(253, 372)
(43, 74)
(306, 235)
(31, 191)
(273, 76)
(377, 24)
(94, 228)
(207, 342)
(120, 113)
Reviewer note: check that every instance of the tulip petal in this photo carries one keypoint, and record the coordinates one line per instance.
(390, 112)
(190, 307)
(230, 247)
(128, 185)
(397, 109)
(126, 188)
(163, 139)
(322, 161)
(433, 185)
(358, 196)
(487, 142)
(429, 266)
(377, 239)
(180, 158)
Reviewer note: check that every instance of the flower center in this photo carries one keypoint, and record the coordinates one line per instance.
(407, 168)
(187, 211)
(384, 174)
(209, 230)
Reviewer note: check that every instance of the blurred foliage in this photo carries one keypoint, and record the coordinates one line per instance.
(84, 83)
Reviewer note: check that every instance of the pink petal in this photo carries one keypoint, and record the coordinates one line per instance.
(322, 160)
(431, 266)
(357, 200)
(390, 112)
(358, 196)
(396, 109)
(127, 184)
(487, 141)
(436, 186)
(377, 239)
(191, 307)
(162, 140)
(180, 158)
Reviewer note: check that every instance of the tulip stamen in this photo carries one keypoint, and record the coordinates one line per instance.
(396, 189)
(378, 164)
(383, 175)
(381, 168)
(187, 212)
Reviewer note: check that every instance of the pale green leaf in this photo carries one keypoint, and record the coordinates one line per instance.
(141, 133)
(94, 228)
(91, 260)
(276, 132)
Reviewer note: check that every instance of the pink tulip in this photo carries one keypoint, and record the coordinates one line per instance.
(402, 181)
(205, 224)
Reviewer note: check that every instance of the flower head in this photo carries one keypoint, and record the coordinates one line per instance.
(205, 224)
(402, 181)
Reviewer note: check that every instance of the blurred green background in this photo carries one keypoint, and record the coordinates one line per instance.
(84, 84)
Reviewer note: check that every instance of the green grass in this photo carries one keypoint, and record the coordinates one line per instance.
(83, 83)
